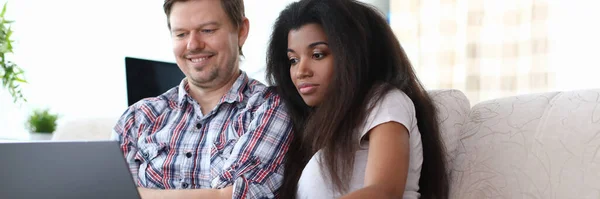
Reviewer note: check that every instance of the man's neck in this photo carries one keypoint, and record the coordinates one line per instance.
(209, 97)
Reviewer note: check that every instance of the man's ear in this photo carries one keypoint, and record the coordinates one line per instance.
(243, 32)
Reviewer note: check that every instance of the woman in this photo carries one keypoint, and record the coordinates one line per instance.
(365, 127)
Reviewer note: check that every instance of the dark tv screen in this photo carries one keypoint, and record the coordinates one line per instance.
(149, 78)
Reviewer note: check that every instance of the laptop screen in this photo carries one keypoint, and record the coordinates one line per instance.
(149, 78)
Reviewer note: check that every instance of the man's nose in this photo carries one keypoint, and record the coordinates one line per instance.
(195, 42)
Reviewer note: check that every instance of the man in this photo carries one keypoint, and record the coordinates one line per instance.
(219, 134)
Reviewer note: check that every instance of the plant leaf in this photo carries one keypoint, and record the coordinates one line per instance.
(11, 74)
(20, 80)
(3, 9)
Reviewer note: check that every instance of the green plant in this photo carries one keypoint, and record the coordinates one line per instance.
(42, 121)
(11, 74)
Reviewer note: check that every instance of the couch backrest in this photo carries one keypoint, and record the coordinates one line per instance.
(543, 145)
(453, 108)
(85, 129)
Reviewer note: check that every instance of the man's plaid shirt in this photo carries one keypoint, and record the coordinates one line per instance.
(169, 144)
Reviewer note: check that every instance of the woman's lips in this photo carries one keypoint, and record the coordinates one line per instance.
(307, 88)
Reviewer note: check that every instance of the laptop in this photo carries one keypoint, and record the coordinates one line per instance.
(66, 170)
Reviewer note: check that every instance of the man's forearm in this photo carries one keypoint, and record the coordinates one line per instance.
(225, 193)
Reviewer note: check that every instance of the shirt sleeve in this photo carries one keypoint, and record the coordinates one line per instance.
(125, 132)
(395, 106)
(255, 166)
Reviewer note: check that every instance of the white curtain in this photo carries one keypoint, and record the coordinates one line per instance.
(486, 48)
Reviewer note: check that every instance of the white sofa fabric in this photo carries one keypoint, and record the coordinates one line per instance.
(530, 146)
(453, 108)
(85, 129)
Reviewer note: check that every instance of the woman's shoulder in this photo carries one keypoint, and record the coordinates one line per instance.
(394, 99)
(394, 105)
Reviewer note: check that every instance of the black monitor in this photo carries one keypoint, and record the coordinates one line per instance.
(149, 78)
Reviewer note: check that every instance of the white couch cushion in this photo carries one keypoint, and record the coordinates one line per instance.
(85, 129)
(453, 108)
(531, 146)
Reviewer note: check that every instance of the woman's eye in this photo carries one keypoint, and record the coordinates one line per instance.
(293, 61)
(318, 55)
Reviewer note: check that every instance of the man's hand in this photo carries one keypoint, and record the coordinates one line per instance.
(225, 193)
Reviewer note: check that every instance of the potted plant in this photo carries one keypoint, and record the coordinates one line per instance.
(10, 73)
(41, 124)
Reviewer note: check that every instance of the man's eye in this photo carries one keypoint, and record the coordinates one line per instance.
(180, 35)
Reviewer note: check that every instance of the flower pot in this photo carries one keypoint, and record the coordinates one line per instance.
(40, 136)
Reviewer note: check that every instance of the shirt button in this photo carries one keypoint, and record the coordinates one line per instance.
(198, 125)
(188, 154)
(185, 185)
(146, 155)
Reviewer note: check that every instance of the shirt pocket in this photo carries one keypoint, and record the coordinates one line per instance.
(150, 158)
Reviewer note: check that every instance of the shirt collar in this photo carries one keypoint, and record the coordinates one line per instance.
(235, 94)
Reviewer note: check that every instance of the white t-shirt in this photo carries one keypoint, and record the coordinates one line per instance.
(396, 106)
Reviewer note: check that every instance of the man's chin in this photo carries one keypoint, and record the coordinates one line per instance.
(198, 80)
(201, 81)
(197, 68)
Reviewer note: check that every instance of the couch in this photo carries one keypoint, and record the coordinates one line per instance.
(543, 145)
(85, 129)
